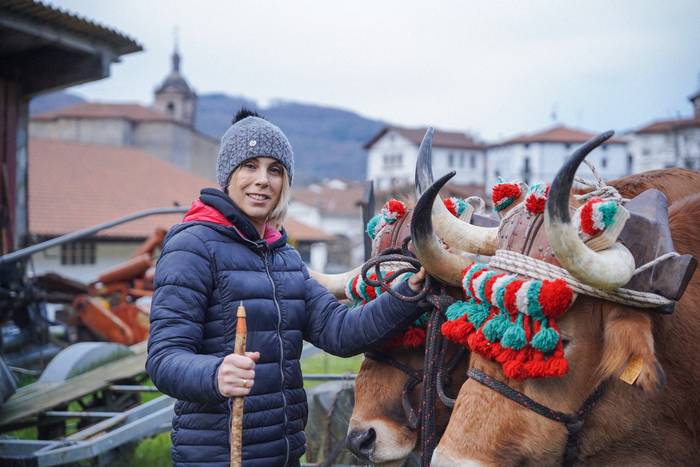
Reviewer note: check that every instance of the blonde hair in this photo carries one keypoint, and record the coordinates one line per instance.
(279, 212)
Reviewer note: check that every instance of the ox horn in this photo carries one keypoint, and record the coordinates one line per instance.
(607, 269)
(435, 259)
(455, 232)
(335, 283)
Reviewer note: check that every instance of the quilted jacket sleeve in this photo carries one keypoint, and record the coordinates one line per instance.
(183, 287)
(344, 332)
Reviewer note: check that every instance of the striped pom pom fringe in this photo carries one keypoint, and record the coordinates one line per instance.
(360, 293)
(511, 320)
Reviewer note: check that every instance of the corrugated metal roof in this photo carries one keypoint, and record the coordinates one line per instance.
(58, 17)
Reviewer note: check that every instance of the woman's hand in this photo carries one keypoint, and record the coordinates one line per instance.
(236, 374)
(415, 282)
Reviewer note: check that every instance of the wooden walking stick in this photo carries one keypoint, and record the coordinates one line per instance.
(236, 435)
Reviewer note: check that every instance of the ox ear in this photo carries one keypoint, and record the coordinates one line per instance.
(628, 349)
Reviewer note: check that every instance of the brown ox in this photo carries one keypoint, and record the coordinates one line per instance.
(379, 429)
(652, 422)
(378, 425)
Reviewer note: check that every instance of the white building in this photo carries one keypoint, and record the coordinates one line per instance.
(392, 155)
(334, 207)
(668, 143)
(537, 157)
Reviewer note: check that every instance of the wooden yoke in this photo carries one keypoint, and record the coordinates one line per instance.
(236, 433)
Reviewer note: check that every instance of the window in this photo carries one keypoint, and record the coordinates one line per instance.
(604, 162)
(461, 159)
(78, 253)
(171, 107)
(567, 146)
(450, 160)
(392, 160)
(472, 160)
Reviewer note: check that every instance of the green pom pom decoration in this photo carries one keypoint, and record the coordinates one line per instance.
(495, 328)
(477, 313)
(372, 226)
(514, 337)
(608, 209)
(457, 310)
(422, 319)
(546, 339)
(533, 300)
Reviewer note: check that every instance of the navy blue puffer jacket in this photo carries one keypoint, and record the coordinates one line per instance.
(204, 271)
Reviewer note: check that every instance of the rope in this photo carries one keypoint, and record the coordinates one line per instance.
(654, 262)
(431, 369)
(600, 188)
(524, 265)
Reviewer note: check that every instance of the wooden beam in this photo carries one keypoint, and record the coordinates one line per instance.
(50, 68)
(30, 401)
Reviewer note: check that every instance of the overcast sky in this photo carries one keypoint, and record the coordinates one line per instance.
(493, 67)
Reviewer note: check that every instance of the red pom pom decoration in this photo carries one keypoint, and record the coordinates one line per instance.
(555, 297)
(504, 194)
(537, 198)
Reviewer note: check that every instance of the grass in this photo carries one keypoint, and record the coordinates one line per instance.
(325, 363)
(155, 451)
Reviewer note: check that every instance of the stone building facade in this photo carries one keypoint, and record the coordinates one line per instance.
(165, 130)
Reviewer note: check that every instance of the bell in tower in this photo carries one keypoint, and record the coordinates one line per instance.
(174, 96)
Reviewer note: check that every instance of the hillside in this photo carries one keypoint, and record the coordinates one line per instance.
(327, 141)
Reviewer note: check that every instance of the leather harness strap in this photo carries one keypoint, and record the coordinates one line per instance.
(573, 421)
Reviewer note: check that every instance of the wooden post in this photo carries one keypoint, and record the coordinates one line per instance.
(236, 436)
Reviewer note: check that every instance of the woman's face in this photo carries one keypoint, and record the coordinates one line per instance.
(255, 187)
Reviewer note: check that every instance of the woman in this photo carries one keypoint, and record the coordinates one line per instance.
(228, 250)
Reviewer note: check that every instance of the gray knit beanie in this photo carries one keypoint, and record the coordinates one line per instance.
(248, 138)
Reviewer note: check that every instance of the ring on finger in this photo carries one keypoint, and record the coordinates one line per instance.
(245, 382)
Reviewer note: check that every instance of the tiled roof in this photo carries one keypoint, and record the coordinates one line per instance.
(304, 232)
(73, 186)
(330, 199)
(54, 16)
(441, 139)
(135, 112)
(558, 134)
(664, 126)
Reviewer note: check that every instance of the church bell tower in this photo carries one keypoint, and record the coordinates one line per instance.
(174, 96)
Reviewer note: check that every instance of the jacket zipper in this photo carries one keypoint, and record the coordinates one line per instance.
(260, 246)
(279, 337)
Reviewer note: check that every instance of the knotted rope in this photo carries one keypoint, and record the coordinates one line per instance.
(517, 263)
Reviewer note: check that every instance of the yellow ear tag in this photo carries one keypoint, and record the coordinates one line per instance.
(632, 371)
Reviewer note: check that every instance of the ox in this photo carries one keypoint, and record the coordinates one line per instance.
(395, 420)
(587, 415)
(379, 430)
